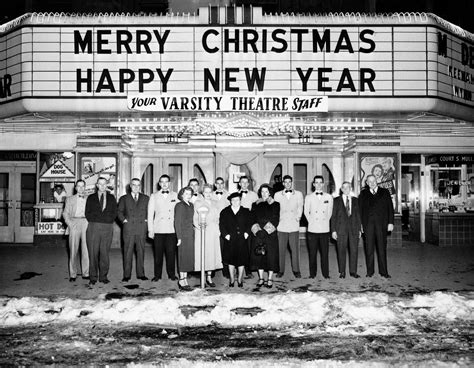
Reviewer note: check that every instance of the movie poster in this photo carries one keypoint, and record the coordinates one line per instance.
(384, 167)
(93, 167)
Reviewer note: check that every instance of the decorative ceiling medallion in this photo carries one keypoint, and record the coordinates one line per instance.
(242, 125)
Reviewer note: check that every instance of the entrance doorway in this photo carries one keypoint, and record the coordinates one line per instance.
(180, 168)
(410, 184)
(17, 200)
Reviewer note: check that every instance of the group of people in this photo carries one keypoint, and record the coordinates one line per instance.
(244, 231)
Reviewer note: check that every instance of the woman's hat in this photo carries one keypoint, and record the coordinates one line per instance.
(233, 195)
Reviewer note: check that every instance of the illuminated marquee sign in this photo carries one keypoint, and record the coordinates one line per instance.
(456, 72)
(134, 64)
(217, 74)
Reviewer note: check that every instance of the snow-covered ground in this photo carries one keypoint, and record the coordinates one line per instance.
(294, 363)
(206, 329)
(314, 363)
(325, 312)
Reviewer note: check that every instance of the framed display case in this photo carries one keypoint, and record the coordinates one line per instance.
(95, 165)
(385, 167)
(48, 219)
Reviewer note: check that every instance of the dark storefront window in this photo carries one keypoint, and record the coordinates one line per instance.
(4, 198)
(28, 200)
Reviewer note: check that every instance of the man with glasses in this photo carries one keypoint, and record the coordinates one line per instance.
(133, 213)
(377, 216)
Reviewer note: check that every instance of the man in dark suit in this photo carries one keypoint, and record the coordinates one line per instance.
(376, 212)
(101, 211)
(345, 229)
(133, 213)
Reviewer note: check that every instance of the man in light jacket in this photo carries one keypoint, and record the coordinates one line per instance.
(75, 218)
(291, 210)
(161, 228)
(318, 211)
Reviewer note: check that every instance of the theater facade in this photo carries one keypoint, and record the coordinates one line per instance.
(230, 92)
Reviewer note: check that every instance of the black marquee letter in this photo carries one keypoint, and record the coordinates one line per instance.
(304, 78)
(346, 75)
(82, 43)
(208, 77)
(80, 80)
(442, 44)
(204, 41)
(367, 40)
(367, 80)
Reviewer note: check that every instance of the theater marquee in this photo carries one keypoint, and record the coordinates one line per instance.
(249, 68)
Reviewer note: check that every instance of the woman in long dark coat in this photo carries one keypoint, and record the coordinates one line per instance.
(265, 218)
(183, 225)
(234, 226)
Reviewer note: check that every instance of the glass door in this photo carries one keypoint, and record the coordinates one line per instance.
(6, 207)
(181, 169)
(411, 197)
(17, 200)
(177, 169)
(301, 169)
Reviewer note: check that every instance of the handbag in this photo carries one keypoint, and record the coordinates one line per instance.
(260, 250)
(260, 247)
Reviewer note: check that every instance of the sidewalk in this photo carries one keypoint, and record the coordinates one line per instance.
(415, 268)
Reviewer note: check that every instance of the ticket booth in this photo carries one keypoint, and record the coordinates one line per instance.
(56, 183)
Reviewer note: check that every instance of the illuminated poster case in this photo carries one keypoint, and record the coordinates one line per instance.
(93, 166)
(385, 167)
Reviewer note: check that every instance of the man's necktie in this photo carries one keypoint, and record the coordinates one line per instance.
(348, 206)
(195, 194)
(288, 191)
(373, 191)
(244, 191)
(135, 197)
(219, 193)
(101, 201)
(319, 193)
(81, 196)
(165, 191)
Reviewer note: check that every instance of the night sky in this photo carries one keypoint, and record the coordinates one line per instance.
(459, 12)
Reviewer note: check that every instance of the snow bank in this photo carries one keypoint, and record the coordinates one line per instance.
(340, 313)
(294, 363)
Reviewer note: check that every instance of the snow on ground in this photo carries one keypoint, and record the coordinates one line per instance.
(295, 363)
(325, 312)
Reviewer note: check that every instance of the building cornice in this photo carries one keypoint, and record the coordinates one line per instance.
(258, 18)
